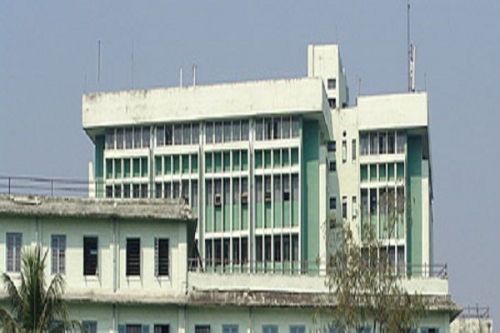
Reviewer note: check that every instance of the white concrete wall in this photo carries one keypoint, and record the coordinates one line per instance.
(102, 285)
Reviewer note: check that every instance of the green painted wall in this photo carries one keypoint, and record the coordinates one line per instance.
(310, 190)
(99, 165)
(414, 203)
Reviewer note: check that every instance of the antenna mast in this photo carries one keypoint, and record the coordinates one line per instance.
(411, 51)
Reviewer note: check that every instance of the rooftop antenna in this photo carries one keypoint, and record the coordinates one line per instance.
(180, 78)
(194, 75)
(132, 65)
(98, 61)
(411, 51)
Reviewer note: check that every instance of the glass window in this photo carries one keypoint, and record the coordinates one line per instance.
(137, 137)
(277, 248)
(194, 194)
(119, 138)
(354, 207)
(218, 132)
(259, 129)
(373, 143)
(277, 188)
(90, 255)
(364, 144)
(391, 142)
(354, 149)
(269, 329)
(178, 134)
(236, 130)
(267, 188)
(236, 191)
(133, 328)
(58, 249)
(295, 248)
(145, 137)
(186, 134)
(244, 191)
(285, 127)
(331, 146)
(185, 191)
(227, 131)
(209, 132)
(164, 328)
(169, 135)
(244, 250)
(236, 250)
(202, 329)
(110, 139)
(286, 247)
(333, 166)
(295, 187)
(297, 329)
(244, 130)
(160, 136)
(382, 139)
(176, 190)
(229, 328)
(258, 189)
(162, 257)
(208, 185)
(133, 257)
(258, 248)
(268, 129)
(332, 102)
(332, 84)
(344, 151)
(267, 248)
(89, 326)
(195, 134)
(14, 244)
(128, 138)
(276, 128)
(401, 142)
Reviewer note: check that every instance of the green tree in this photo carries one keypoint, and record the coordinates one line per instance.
(35, 307)
(365, 281)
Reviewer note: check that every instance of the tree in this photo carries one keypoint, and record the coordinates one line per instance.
(34, 307)
(365, 281)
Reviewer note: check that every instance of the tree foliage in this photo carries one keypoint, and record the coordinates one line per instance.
(366, 282)
(35, 307)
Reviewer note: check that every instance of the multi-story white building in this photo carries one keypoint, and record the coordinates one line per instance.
(269, 169)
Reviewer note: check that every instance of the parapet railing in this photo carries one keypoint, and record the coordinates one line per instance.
(476, 311)
(20, 185)
(222, 266)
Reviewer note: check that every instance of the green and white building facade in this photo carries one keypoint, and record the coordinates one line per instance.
(269, 169)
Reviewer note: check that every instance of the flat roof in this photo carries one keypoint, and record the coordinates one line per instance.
(157, 209)
(302, 96)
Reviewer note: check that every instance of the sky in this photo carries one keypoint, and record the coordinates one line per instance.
(48, 59)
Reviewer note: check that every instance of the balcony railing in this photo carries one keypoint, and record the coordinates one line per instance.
(477, 312)
(301, 268)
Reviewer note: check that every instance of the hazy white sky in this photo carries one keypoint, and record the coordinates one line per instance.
(48, 52)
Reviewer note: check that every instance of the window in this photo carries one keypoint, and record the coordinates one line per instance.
(209, 132)
(168, 135)
(297, 329)
(382, 139)
(201, 328)
(333, 203)
(229, 328)
(295, 248)
(354, 207)
(267, 248)
(391, 142)
(178, 134)
(295, 127)
(344, 207)
(244, 250)
(161, 257)
(270, 329)
(133, 267)
(186, 134)
(373, 143)
(286, 188)
(331, 146)
(400, 142)
(277, 248)
(277, 188)
(227, 131)
(364, 329)
(119, 138)
(332, 102)
(134, 328)
(89, 326)
(277, 128)
(267, 188)
(58, 248)
(333, 166)
(110, 139)
(332, 84)
(137, 137)
(285, 127)
(364, 143)
(195, 134)
(161, 328)
(344, 151)
(14, 243)
(236, 130)
(244, 130)
(295, 187)
(128, 138)
(354, 149)
(90, 255)
(258, 248)
(160, 136)
(218, 132)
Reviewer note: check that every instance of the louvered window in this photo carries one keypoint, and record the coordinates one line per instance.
(161, 257)
(14, 243)
(133, 257)
(58, 247)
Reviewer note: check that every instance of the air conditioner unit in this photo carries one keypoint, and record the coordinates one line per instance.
(218, 200)
(267, 197)
(244, 198)
(286, 195)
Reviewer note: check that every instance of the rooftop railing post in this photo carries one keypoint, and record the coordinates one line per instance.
(52, 187)
(9, 185)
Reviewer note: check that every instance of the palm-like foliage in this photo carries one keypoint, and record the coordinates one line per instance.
(34, 306)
